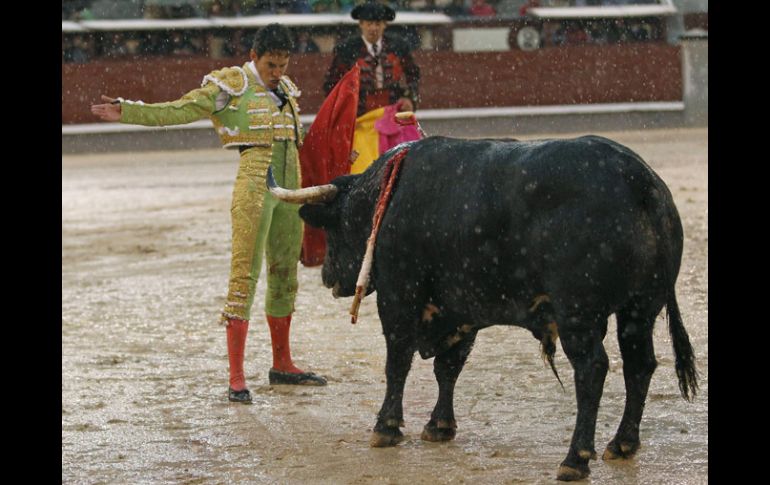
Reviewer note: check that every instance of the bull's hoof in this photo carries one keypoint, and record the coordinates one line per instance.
(437, 434)
(386, 437)
(620, 450)
(570, 474)
(431, 432)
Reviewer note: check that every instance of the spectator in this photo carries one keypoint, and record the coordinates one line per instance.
(225, 8)
(180, 45)
(215, 9)
(304, 43)
(84, 14)
(575, 34)
(640, 31)
(155, 44)
(559, 36)
(220, 44)
(617, 31)
(300, 6)
(529, 4)
(79, 51)
(456, 9)
(595, 32)
(480, 8)
(430, 6)
(132, 45)
(321, 6)
(115, 47)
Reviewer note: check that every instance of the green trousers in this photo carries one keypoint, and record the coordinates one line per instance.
(264, 225)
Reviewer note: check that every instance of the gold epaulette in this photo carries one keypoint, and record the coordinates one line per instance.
(232, 80)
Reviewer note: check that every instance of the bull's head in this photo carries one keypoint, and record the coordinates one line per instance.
(346, 220)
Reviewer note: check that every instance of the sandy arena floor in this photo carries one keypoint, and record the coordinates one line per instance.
(145, 257)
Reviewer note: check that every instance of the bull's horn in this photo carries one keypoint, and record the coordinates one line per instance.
(318, 194)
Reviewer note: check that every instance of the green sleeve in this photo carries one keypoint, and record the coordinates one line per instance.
(193, 106)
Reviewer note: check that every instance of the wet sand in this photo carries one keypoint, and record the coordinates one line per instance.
(145, 257)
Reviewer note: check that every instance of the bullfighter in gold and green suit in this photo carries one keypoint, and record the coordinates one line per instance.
(254, 109)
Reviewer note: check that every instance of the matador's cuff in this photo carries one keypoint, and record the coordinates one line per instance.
(235, 308)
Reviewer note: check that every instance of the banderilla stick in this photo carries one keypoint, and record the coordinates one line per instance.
(386, 189)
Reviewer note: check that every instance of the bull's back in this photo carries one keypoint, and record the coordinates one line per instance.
(481, 186)
(524, 217)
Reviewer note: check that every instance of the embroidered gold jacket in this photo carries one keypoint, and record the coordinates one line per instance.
(240, 108)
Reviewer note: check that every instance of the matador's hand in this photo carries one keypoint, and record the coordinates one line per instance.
(110, 111)
(405, 104)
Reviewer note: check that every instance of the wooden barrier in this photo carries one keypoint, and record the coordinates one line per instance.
(580, 74)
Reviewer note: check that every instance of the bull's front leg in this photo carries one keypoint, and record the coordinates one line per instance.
(447, 367)
(586, 353)
(401, 348)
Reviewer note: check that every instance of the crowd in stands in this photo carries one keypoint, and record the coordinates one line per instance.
(103, 9)
(80, 47)
(92, 9)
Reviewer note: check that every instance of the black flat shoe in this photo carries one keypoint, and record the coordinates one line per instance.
(243, 397)
(301, 379)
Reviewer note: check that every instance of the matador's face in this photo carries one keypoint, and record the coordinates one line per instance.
(271, 66)
(372, 30)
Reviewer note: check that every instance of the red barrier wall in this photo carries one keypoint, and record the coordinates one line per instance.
(581, 74)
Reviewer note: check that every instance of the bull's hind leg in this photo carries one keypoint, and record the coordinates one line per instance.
(585, 351)
(391, 415)
(635, 325)
(447, 367)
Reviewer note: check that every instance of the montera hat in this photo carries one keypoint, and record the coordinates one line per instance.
(373, 10)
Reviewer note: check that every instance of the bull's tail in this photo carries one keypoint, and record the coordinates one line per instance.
(653, 194)
(683, 353)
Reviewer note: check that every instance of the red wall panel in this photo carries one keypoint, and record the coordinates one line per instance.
(583, 74)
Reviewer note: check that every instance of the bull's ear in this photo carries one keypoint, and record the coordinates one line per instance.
(321, 216)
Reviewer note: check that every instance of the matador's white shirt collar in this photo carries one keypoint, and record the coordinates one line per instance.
(254, 71)
(370, 47)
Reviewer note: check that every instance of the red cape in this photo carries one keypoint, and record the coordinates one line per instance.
(325, 153)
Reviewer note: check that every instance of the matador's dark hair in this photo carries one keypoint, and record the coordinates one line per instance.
(273, 38)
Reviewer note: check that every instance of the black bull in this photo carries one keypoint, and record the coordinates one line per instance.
(551, 235)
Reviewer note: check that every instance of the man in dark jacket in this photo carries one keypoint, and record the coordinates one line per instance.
(388, 74)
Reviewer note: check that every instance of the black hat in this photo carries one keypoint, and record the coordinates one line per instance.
(373, 10)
